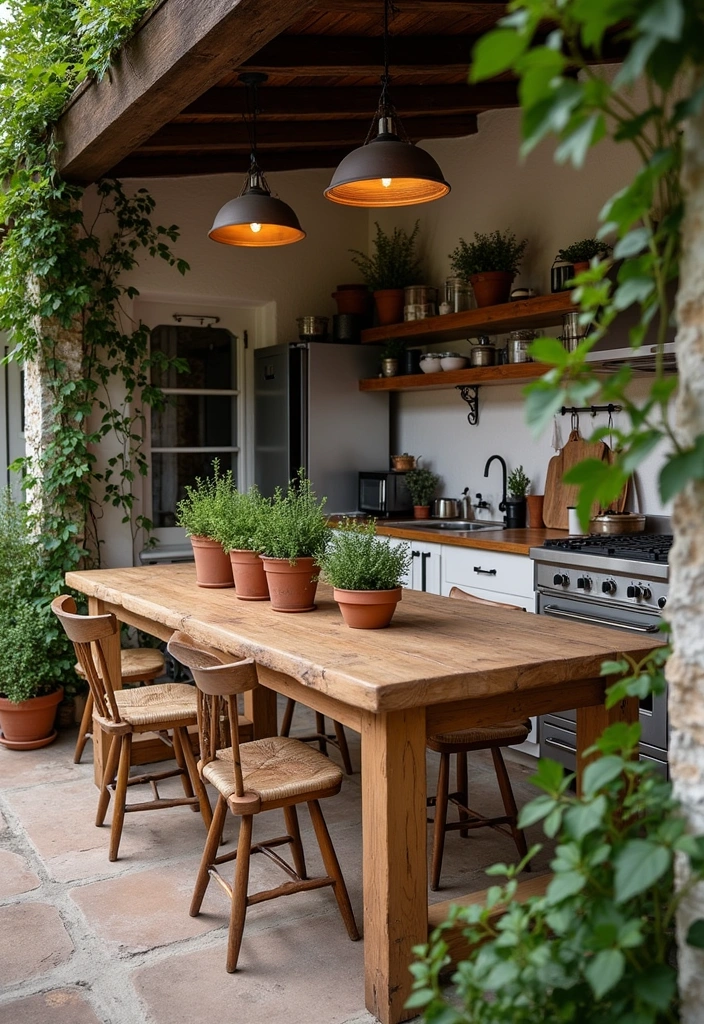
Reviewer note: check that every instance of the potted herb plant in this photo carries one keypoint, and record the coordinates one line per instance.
(390, 356)
(518, 484)
(365, 572)
(393, 266)
(200, 514)
(239, 530)
(294, 532)
(490, 263)
(579, 254)
(422, 485)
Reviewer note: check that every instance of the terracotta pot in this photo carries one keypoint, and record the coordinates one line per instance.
(421, 511)
(535, 510)
(579, 268)
(29, 724)
(352, 298)
(367, 609)
(213, 566)
(291, 587)
(389, 306)
(250, 578)
(492, 288)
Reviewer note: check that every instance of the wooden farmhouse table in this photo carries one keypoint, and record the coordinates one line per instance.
(442, 665)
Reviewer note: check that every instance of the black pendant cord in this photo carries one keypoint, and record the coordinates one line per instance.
(252, 81)
(386, 109)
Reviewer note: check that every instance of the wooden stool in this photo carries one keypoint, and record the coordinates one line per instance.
(252, 777)
(460, 743)
(137, 665)
(320, 736)
(164, 708)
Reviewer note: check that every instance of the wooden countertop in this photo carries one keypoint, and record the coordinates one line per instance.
(513, 542)
(436, 650)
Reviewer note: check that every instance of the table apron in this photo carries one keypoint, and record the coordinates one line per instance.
(326, 705)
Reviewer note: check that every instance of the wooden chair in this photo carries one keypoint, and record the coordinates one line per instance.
(321, 736)
(251, 778)
(167, 707)
(459, 743)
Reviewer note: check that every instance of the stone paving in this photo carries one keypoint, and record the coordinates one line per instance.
(83, 941)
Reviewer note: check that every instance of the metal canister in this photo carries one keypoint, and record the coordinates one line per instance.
(518, 344)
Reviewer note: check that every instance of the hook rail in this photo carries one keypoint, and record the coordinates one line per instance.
(592, 409)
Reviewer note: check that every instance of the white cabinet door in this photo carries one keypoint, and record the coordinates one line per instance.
(495, 575)
(426, 568)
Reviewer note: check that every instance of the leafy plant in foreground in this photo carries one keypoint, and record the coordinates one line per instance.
(356, 559)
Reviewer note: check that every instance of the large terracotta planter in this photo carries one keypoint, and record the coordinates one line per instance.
(389, 306)
(491, 288)
(367, 609)
(291, 587)
(213, 566)
(29, 724)
(250, 578)
(352, 298)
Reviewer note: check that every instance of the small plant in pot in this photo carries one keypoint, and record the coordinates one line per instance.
(518, 484)
(580, 254)
(366, 574)
(294, 533)
(29, 694)
(421, 484)
(390, 357)
(239, 530)
(393, 266)
(200, 514)
(490, 263)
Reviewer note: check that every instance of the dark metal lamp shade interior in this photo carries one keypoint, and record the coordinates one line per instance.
(387, 172)
(256, 219)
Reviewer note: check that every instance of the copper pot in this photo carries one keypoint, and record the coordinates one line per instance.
(617, 522)
(402, 463)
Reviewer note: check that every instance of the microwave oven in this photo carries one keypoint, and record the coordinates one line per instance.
(384, 494)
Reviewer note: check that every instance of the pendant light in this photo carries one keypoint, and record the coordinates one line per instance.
(255, 217)
(388, 170)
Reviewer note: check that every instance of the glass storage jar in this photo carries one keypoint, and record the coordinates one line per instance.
(518, 344)
(458, 294)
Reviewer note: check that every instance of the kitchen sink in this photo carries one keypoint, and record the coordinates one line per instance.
(448, 525)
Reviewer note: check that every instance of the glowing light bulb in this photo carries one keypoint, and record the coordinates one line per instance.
(255, 227)
(386, 182)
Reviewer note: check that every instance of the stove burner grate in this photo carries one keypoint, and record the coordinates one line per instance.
(641, 547)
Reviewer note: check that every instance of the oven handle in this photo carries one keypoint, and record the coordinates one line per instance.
(561, 613)
(552, 742)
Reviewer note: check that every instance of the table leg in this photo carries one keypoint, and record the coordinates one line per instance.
(592, 721)
(395, 860)
(260, 706)
(111, 646)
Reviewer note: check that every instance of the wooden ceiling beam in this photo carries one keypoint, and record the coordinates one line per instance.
(179, 50)
(305, 104)
(477, 7)
(190, 165)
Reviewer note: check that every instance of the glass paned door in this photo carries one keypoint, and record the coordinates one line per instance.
(199, 423)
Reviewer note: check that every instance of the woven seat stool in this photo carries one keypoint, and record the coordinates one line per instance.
(320, 736)
(269, 773)
(167, 709)
(493, 738)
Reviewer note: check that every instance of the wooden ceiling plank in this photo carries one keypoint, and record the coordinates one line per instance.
(478, 7)
(179, 51)
(191, 165)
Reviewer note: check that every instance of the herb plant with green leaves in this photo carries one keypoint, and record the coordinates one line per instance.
(394, 262)
(208, 505)
(498, 250)
(356, 559)
(295, 525)
(421, 484)
(28, 663)
(584, 251)
(518, 483)
(240, 523)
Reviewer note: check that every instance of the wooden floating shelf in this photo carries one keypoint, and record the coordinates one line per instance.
(510, 373)
(542, 311)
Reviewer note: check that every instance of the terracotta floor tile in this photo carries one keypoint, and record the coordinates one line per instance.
(33, 940)
(15, 875)
(3, 824)
(57, 1007)
(19, 768)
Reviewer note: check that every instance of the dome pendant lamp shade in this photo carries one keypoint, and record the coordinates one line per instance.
(256, 218)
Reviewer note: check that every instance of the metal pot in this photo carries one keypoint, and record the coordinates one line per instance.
(403, 463)
(446, 508)
(617, 522)
(483, 352)
(312, 327)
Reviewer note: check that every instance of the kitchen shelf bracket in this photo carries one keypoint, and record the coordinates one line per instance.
(470, 394)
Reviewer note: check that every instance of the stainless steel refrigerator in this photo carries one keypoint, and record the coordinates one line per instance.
(309, 411)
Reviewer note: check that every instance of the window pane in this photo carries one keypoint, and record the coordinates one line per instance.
(171, 473)
(209, 352)
(195, 421)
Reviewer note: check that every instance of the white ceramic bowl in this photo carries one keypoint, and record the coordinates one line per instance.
(453, 362)
(431, 364)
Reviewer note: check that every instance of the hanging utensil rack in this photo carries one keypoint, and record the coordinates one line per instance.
(591, 409)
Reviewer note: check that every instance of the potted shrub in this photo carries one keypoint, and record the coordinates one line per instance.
(421, 484)
(200, 514)
(393, 266)
(239, 531)
(518, 484)
(490, 263)
(29, 693)
(293, 536)
(365, 572)
(580, 254)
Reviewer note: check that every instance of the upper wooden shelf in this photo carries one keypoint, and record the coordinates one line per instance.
(542, 311)
(509, 373)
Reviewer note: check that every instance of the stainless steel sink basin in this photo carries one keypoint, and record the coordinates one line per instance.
(448, 525)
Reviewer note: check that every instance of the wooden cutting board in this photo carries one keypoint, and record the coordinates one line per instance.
(559, 495)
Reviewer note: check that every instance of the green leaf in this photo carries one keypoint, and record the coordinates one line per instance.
(564, 885)
(695, 934)
(681, 468)
(420, 998)
(536, 810)
(496, 52)
(605, 971)
(663, 19)
(600, 773)
(638, 866)
(657, 986)
(575, 146)
(583, 818)
(632, 243)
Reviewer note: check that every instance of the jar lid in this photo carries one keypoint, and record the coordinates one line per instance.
(523, 335)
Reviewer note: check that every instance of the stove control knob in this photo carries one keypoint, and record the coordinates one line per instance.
(647, 593)
(633, 591)
(584, 583)
(561, 579)
(608, 587)
(662, 601)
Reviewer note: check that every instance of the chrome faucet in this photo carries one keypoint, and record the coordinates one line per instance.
(502, 504)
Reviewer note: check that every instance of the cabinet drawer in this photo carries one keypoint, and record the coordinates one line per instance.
(495, 571)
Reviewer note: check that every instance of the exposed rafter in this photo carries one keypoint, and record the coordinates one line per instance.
(158, 166)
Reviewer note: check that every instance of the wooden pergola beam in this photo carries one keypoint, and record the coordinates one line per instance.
(180, 50)
(414, 6)
(193, 164)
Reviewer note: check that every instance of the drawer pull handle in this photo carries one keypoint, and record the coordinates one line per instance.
(552, 742)
(484, 572)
